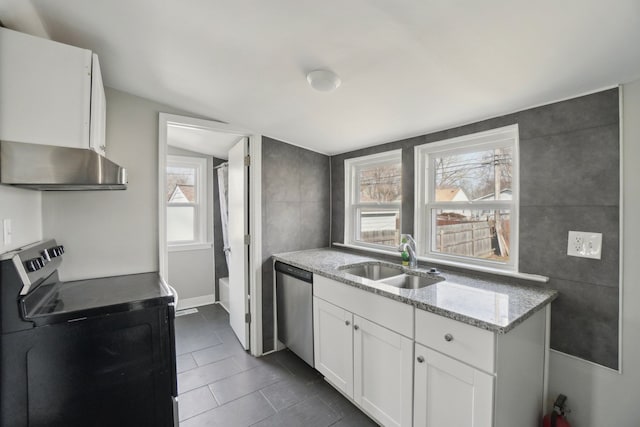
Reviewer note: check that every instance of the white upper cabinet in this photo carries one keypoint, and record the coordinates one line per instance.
(50, 93)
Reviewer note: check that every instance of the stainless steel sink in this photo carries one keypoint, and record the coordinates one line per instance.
(373, 271)
(411, 281)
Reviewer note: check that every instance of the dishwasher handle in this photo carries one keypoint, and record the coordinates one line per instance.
(298, 273)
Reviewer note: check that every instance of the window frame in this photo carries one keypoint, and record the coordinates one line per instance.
(200, 204)
(507, 136)
(353, 205)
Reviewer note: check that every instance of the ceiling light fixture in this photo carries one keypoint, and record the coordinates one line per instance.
(323, 80)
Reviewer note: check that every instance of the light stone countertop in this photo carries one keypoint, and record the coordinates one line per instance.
(494, 305)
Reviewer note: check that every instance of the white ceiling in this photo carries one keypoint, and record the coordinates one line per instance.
(202, 140)
(408, 67)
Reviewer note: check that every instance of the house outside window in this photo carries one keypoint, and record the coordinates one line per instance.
(373, 197)
(467, 199)
(186, 200)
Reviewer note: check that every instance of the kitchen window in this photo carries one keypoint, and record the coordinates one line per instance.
(373, 197)
(186, 200)
(467, 199)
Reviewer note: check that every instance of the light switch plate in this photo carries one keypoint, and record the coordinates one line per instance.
(585, 244)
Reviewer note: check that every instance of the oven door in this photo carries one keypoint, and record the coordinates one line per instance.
(104, 371)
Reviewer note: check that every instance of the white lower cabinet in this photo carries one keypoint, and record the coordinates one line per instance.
(369, 363)
(459, 375)
(469, 377)
(383, 373)
(450, 393)
(333, 344)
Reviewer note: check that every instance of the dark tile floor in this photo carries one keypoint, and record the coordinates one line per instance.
(219, 384)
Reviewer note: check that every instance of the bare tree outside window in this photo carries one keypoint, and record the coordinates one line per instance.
(381, 184)
(376, 197)
(475, 173)
(474, 176)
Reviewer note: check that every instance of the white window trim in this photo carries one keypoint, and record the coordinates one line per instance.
(350, 191)
(200, 211)
(424, 194)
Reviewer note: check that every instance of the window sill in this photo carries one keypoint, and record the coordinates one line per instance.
(189, 247)
(368, 249)
(496, 271)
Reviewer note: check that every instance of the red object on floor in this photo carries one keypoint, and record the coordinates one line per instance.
(555, 420)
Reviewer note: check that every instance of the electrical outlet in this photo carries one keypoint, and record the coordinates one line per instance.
(584, 244)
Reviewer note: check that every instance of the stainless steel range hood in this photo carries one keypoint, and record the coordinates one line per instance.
(48, 167)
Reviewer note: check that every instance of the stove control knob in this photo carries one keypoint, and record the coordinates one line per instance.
(53, 252)
(35, 264)
(48, 254)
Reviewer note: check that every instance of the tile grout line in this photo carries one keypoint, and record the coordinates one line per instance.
(288, 368)
(267, 399)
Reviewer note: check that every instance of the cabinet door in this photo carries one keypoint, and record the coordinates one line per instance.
(450, 393)
(383, 373)
(97, 135)
(44, 91)
(333, 344)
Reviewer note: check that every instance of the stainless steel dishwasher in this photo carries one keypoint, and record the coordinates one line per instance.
(294, 295)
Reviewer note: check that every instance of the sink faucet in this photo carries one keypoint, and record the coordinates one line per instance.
(409, 245)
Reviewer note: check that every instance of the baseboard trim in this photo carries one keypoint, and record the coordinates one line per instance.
(196, 301)
(223, 306)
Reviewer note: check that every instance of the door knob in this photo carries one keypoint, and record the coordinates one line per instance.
(448, 337)
(356, 327)
(420, 359)
(346, 322)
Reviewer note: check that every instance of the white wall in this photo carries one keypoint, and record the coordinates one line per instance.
(107, 233)
(598, 396)
(23, 208)
(21, 15)
(191, 272)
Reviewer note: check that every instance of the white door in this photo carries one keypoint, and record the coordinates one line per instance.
(239, 254)
(450, 393)
(333, 344)
(383, 373)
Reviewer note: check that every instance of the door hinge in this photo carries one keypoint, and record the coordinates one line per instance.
(247, 239)
(247, 318)
(247, 160)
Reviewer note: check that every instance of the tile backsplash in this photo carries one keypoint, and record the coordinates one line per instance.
(569, 180)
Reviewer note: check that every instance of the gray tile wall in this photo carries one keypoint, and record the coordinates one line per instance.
(221, 269)
(295, 211)
(569, 178)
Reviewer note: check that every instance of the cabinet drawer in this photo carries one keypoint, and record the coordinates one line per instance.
(384, 311)
(464, 342)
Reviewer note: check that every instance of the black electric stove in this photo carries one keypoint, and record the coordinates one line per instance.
(96, 352)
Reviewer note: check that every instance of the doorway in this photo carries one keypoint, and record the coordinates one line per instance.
(188, 150)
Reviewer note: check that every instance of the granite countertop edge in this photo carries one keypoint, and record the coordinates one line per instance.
(545, 296)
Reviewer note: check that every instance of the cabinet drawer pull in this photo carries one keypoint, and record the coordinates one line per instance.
(448, 337)
(356, 327)
(420, 359)
(346, 322)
